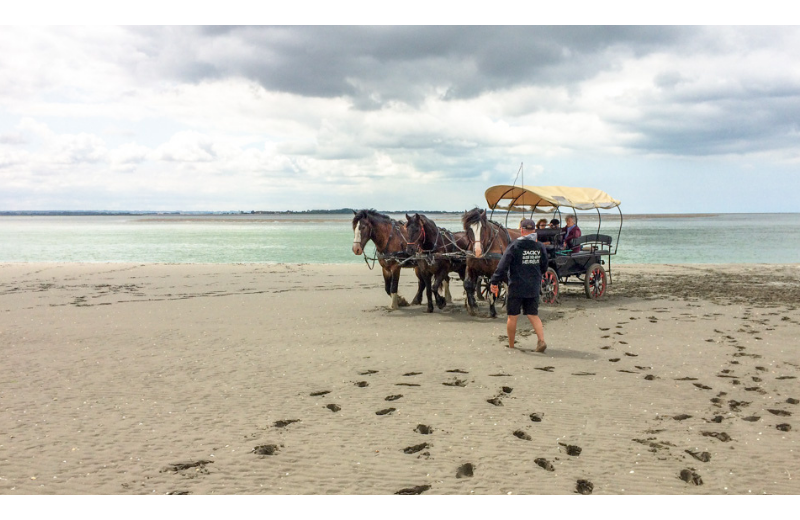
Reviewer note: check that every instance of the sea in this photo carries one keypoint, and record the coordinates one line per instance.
(327, 238)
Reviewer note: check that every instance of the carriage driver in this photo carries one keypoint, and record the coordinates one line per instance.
(522, 265)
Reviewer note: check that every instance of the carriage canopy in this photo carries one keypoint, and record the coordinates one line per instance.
(546, 199)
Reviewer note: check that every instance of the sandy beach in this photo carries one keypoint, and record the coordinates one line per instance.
(297, 379)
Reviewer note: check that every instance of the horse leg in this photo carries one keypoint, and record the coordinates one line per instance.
(469, 287)
(428, 291)
(448, 298)
(387, 280)
(420, 287)
(437, 287)
(492, 311)
(397, 300)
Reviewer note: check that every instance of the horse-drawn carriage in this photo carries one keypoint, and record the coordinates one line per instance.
(587, 258)
(474, 253)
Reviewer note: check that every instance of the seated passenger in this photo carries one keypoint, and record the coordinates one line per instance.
(542, 224)
(572, 231)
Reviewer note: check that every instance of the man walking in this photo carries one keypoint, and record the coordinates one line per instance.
(522, 266)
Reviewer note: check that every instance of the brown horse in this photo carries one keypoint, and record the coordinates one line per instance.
(488, 241)
(439, 253)
(389, 237)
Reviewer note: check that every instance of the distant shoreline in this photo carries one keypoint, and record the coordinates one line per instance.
(168, 215)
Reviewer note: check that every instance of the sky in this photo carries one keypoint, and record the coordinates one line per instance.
(667, 119)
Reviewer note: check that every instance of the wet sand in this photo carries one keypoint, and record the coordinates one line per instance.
(297, 379)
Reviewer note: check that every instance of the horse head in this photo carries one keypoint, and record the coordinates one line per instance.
(475, 225)
(415, 229)
(362, 230)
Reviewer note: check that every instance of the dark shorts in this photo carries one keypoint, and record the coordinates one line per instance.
(529, 306)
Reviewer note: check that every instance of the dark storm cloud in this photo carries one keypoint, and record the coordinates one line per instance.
(375, 65)
(741, 119)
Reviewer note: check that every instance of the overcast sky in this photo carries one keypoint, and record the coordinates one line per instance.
(666, 119)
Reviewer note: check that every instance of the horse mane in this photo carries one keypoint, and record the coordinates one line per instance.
(471, 217)
(369, 214)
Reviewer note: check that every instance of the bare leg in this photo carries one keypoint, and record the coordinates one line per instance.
(511, 329)
(539, 329)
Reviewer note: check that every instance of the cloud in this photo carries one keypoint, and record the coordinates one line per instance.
(396, 112)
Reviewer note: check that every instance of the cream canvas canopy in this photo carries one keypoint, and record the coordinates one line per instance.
(547, 198)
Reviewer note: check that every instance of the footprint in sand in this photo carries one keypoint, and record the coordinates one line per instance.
(416, 448)
(784, 427)
(603, 328)
(457, 371)
(792, 400)
(519, 434)
(386, 411)
(361, 384)
(650, 377)
(702, 386)
(317, 394)
(182, 466)
(412, 373)
(682, 417)
(584, 487)
(424, 429)
(584, 374)
(499, 375)
(701, 456)
(465, 470)
(456, 382)
(545, 369)
(284, 423)
(495, 401)
(716, 419)
(614, 360)
(544, 464)
(782, 413)
(604, 337)
(737, 405)
(265, 449)
(393, 397)
(333, 407)
(571, 449)
(721, 436)
(507, 389)
(536, 417)
(416, 490)
(752, 418)
(690, 477)
(406, 384)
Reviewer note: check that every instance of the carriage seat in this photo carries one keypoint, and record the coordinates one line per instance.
(547, 235)
(591, 243)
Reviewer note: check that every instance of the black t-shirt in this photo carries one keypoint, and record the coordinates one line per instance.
(522, 266)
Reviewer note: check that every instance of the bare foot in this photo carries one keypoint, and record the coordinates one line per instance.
(541, 346)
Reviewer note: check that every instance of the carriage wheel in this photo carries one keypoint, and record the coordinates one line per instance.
(595, 282)
(549, 291)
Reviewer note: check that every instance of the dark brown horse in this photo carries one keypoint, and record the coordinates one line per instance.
(389, 237)
(439, 253)
(488, 241)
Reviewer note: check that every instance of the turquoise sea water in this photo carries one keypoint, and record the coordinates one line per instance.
(726, 238)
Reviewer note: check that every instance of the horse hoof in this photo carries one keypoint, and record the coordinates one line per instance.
(416, 301)
(429, 310)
